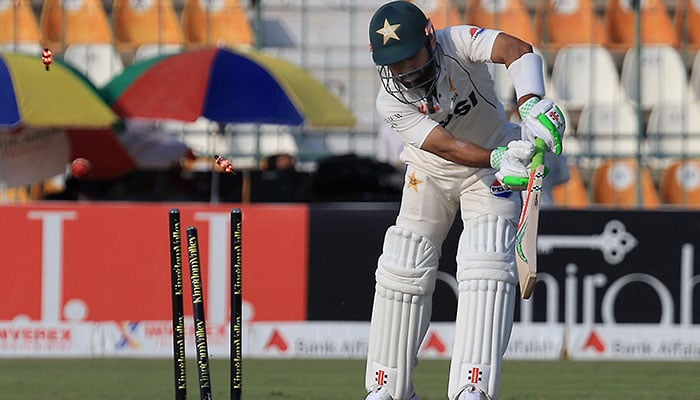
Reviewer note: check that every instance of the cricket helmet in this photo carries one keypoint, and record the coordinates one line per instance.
(397, 31)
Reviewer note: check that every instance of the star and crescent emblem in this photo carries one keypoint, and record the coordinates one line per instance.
(413, 182)
(388, 31)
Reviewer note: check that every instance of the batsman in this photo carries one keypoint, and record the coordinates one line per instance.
(462, 154)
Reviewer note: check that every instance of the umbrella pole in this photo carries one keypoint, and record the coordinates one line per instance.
(215, 178)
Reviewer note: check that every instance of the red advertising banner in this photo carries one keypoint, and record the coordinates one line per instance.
(77, 262)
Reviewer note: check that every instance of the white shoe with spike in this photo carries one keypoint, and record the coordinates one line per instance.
(472, 393)
(379, 393)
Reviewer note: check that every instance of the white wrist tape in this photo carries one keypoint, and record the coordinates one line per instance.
(527, 75)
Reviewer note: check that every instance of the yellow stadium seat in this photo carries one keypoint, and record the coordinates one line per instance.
(19, 24)
(657, 26)
(442, 13)
(510, 16)
(615, 183)
(216, 23)
(680, 183)
(554, 20)
(74, 22)
(138, 23)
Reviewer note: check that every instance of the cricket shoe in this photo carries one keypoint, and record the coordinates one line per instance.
(379, 393)
(472, 393)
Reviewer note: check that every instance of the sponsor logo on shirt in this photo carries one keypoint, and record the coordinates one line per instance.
(498, 190)
(475, 32)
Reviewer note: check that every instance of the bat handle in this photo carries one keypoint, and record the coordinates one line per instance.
(538, 158)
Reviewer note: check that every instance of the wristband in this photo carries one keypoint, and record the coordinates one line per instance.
(524, 109)
(527, 75)
(497, 156)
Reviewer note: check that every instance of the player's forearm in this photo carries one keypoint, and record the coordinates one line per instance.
(441, 143)
(507, 49)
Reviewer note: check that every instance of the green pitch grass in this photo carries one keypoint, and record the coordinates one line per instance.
(121, 379)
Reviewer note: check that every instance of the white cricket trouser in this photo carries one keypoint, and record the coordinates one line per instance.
(430, 201)
(429, 206)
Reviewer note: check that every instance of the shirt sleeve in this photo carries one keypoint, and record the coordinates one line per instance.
(469, 42)
(405, 119)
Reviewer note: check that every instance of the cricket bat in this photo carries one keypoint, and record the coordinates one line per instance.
(526, 233)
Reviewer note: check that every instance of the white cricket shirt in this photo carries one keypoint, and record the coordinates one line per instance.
(467, 104)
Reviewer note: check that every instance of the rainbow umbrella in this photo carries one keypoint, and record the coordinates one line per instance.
(48, 118)
(61, 97)
(224, 85)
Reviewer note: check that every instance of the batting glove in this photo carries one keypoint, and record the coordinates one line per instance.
(543, 119)
(512, 163)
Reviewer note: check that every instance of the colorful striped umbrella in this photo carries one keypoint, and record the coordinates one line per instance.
(50, 117)
(58, 98)
(226, 86)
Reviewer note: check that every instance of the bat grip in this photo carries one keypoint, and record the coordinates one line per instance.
(538, 158)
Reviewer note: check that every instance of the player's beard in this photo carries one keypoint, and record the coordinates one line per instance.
(419, 78)
(414, 86)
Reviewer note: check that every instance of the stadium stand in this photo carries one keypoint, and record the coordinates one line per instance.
(686, 18)
(329, 40)
(442, 13)
(76, 22)
(615, 182)
(673, 130)
(680, 183)
(214, 23)
(663, 75)
(99, 62)
(583, 74)
(572, 193)
(608, 129)
(146, 51)
(20, 30)
(657, 28)
(509, 15)
(145, 23)
(694, 81)
(554, 20)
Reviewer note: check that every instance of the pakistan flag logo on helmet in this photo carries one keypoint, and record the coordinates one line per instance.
(388, 32)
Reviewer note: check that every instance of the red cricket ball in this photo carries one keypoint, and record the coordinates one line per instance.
(80, 167)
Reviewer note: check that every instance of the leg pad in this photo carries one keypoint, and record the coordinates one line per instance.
(405, 280)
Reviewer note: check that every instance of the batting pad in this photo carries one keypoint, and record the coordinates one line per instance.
(405, 281)
(487, 277)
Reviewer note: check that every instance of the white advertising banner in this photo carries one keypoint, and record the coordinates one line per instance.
(154, 339)
(634, 342)
(536, 342)
(44, 339)
(313, 340)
